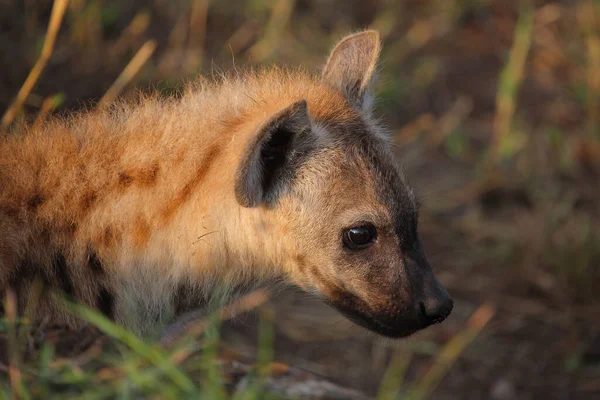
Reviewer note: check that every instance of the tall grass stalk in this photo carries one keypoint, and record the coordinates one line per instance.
(510, 82)
(127, 75)
(58, 12)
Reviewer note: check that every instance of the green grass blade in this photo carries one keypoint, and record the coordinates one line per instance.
(152, 354)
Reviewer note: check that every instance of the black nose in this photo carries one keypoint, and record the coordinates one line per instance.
(436, 310)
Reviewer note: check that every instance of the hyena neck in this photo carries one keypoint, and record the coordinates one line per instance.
(211, 234)
(198, 232)
(182, 236)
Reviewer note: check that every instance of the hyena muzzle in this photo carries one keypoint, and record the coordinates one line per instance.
(144, 208)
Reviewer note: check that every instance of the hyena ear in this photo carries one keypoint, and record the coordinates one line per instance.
(272, 156)
(351, 67)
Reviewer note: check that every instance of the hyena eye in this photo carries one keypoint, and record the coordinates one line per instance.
(359, 237)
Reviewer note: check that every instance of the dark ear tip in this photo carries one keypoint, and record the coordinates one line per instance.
(299, 106)
(299, 113)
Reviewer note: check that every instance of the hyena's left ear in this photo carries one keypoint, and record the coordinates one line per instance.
(351, 67)
(273, 155)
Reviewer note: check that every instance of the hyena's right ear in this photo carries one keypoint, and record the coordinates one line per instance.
(273, 154)
(351, 67)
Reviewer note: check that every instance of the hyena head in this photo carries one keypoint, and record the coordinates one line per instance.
(346, 218)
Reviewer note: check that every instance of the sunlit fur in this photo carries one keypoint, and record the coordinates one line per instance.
(131, 209)
(141, 183)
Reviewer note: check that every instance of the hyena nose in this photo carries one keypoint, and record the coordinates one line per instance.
(435, 310)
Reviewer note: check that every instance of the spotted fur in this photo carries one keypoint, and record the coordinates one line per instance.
(142, 209)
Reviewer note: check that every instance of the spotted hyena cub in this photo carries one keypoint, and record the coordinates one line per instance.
(143, 209)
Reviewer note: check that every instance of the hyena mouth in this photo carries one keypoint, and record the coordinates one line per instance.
(404, 328)
(358, 311)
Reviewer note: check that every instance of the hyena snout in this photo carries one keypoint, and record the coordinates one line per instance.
(435, 305)
(431, 300)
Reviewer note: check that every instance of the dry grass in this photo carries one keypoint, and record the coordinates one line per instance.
(127, 75)
(58, 11)
(509, 84)
(507, 88)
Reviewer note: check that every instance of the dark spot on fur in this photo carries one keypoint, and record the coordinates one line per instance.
(184, 194)
(95, 263)
(61, 270)
(35, 202)
(142, 177)
(105, 302)
(88, 200)
(125, 179)
(147, 176)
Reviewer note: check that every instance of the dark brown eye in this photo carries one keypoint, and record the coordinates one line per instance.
(359, 237)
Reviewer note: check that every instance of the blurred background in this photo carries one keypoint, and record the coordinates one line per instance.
(495, 109)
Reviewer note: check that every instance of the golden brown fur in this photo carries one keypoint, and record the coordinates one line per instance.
(132, 209)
